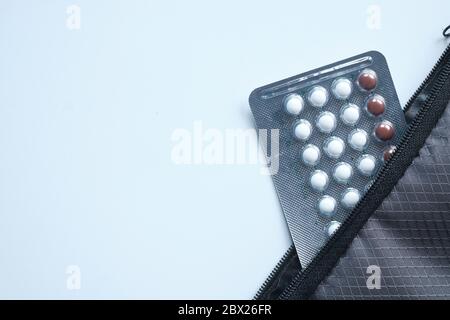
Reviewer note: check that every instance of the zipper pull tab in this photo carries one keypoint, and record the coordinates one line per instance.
(446, 32)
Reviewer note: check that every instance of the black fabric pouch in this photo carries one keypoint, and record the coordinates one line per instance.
(400, 230)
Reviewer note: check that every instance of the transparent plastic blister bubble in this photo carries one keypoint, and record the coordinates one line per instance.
(338, 125)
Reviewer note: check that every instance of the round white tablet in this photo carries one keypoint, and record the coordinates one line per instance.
(318, 96)
(350, 197)
(332, 227)
(327, 206)
(334, 147)
(366, 164)
(326, 122)
(342, 88)
(358, 139)
(310, 155)
(293, 104)
(319, 180)
(342, 172)
(350, 114)
(302, 129)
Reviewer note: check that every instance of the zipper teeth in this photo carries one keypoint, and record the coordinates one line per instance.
(411, 129)
(429, 76)
(273, 273)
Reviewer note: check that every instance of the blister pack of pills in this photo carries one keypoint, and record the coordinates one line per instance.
(337, 126)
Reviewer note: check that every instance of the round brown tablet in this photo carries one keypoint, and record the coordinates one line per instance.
(367, 80)
(384, 131)
(388, 152)
(376, 105)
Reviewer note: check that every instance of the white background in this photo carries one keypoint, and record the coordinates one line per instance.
(87, 115)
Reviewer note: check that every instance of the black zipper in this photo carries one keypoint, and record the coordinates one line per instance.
(430, 76)
(415, 123)
(275, 272)
(413, 105)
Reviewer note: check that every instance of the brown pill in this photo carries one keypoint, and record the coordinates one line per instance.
(376, 105)
(367, 80)
(388, 152)
(384, 131)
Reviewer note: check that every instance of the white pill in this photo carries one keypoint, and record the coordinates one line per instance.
(334, 147)
(319, 180)
(342, 172)
(302, 129)
(342, 88)
(366, 164)
(332, 227)
(318, 96)
(310, 155)
(358, 139)
(327, 206)
(293, 104)
(326, 122)
(350, 114)
(350, 197)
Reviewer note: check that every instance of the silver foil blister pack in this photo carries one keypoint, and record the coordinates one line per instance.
(337, 126)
